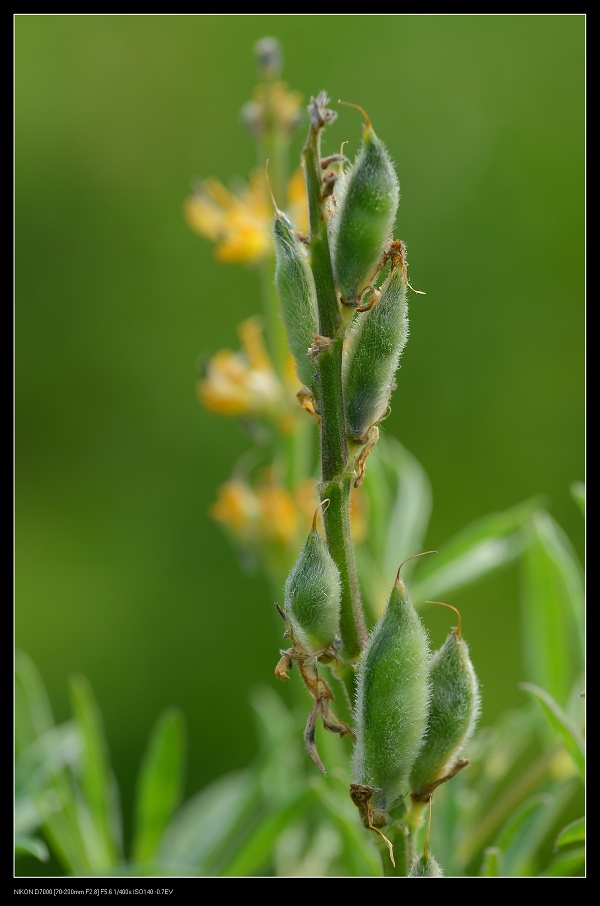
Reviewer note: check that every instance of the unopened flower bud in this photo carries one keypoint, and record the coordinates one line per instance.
(372, 354)
(297, 296)
(453, 713)
(366, 201)
(392, 700)
(268, 57)
(313, 595)
(425, 866)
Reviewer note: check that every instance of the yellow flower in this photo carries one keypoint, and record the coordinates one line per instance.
(264, 515)
(297, 206)
(236, 508)
(240, 222)
(279, 513)
(267, 519)
(244, 382)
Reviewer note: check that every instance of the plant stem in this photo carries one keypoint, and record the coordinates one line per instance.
(336, 476)
(403, 843)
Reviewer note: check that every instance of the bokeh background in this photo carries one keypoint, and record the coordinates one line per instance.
(120, 573)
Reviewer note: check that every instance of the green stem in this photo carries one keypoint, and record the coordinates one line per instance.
(403, 844)
(337, 477)
(339, 541)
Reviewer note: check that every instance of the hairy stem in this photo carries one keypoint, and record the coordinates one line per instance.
(336, 476)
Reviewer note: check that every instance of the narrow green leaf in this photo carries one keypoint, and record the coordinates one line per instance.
(31, 846)
(60, 814)
(529, 826)
(33, 715)
(200, 831)
(572, 833)
(100, 793)
(39, 763)
(253, 854)
(492, 862)
(27, 817)
(482, 547)
(53, 809)
(282, 762)
(496, 785)
(568, 864)
(578, 494)
(562, 724)
(553, 609)
(399, 506)
(146, 870)
(160, 785)
(411, 506)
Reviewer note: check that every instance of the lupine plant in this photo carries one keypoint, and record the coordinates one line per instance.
(380, 766)
(341, 311)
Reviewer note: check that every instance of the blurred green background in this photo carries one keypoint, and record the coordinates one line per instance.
(120, 573)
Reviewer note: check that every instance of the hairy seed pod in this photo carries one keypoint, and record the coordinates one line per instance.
(425, 866)
(366, 201)
(297, 296)
(372, 353)
(313, 595)
(392, 699)
(453, 712)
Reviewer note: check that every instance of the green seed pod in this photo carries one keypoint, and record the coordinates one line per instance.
(392, 699)
(453, 712)
(297, 296)
(425, 866)
(366, 198)
(372, 353)
(313, 595)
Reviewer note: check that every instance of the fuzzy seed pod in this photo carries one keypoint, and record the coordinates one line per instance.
(297, 296)
(372, 354)
(313, 595)
(392, 699)
(425, 866)
(366, 201)
(453, 713)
